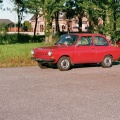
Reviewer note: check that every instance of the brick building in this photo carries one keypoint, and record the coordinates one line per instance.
(11, 26)
(64, 24)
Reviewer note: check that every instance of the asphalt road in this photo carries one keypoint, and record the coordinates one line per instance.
(82, 93)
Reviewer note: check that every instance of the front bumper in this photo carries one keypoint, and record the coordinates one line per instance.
(43, 60)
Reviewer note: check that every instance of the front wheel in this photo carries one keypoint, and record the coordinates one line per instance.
(107, 62)
(64, 64)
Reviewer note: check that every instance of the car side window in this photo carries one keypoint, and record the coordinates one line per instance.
(67, 39)
(85, 41)
(100, 41)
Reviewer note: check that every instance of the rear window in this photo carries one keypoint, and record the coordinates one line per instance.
(100, 41)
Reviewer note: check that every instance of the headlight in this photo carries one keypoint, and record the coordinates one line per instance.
(49, 53)
(32, 52)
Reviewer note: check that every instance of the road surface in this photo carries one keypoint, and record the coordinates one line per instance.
(82, 93)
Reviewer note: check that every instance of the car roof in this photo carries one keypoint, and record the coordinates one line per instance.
(91, 34)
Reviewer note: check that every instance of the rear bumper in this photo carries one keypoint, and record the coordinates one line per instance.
(43, 60)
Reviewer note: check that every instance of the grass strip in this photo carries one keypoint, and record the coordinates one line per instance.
(15, 55)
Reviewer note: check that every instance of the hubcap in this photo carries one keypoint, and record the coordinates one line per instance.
(65, 64)
(108, 61)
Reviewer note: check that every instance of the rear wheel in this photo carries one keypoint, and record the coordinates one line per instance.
(107, 62)
(42, 65)
(64, 64)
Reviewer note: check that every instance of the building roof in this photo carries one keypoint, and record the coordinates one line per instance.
(7, 21)
(60, 17)
(33, 17)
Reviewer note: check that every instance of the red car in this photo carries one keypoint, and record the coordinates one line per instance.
(77, 48)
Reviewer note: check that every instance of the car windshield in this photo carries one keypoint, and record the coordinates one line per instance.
(67, 39)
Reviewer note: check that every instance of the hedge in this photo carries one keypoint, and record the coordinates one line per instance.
(22, 38)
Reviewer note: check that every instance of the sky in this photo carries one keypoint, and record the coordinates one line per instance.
(11, 15)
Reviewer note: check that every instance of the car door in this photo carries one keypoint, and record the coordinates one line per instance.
(102, 47)
(85, 51)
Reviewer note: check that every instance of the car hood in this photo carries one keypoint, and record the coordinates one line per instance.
(52, 47)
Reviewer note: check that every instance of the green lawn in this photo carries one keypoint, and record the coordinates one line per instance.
(17, 54)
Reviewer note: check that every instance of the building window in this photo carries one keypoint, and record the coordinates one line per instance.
(63, 28)
(76, 21)
(42, 17)
(41, 28)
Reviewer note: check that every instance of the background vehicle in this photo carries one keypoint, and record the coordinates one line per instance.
(78, 48)
(118, 42)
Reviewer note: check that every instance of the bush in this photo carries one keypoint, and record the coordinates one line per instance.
(38, 38)
(22, 38)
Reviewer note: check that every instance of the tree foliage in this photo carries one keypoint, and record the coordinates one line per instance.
(3, 28)
(108, 10)
(1, 1)
(47, 8)
(20, 9)
(27, 26)
(34, 7)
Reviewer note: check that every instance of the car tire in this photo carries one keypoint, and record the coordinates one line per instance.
(42, 65)
(64, 64)
(107, 62)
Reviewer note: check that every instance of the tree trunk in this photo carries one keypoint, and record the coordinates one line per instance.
(48, 28)
(50, 36)
(80, 24)
(46, 39)
(114, 17)
(57, 23)
(36, 19)
(46, 35)
(107, 23)
(18, 13)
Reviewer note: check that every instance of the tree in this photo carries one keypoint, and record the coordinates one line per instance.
(34, 7)
(1, 1)
(76, 8)
(47, 8)
(26, 26)
(69, 10)
(3, 28)
(115, 6)
(79, 11)
(110, 11)
(20, 9)
(60, 5)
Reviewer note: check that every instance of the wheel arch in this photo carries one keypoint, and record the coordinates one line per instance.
(65, 56)
(108, 55)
